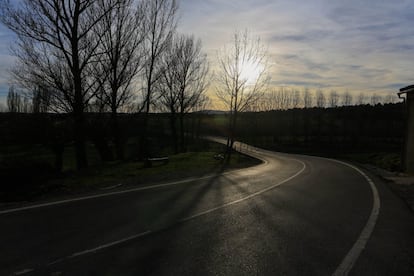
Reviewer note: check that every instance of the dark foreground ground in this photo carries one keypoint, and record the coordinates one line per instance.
(291, 215)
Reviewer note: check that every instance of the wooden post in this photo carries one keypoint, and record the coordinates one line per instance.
(408, 156)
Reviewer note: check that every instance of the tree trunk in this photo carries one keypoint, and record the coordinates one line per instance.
(58, 149)
(79, 128)
(80, 140)
(174, 131)
(144, 151)
(182, 134)
(117, 135)
(78, 108)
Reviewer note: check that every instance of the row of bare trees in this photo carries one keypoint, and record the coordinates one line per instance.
(284, 98)
(105, 55)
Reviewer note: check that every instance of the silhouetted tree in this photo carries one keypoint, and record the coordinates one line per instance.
(375, 99)
(14, 100)
(307, 98)
(347, 99)
(360, 99)
(320, 99)
(41, 100)
(183, 81)
(159, 26)
(296, 98)
(57, 41)
(333, 98)
(121, 61)
(242, 77)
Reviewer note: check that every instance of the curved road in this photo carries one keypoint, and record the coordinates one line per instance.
(290, 215)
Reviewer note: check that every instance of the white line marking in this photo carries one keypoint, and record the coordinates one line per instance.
(111, 187)
(87, 251)
(349, 261)
(249, 196)
(24, 271)
(156, 186)
(93, 250)
(7, 211)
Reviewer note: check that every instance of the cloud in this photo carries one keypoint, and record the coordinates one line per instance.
(357, 45)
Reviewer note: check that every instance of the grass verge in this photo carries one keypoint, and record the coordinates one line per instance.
(115, 174)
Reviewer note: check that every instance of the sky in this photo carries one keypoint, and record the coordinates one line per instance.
(360, 46)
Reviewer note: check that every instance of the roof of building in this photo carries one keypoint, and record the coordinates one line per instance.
(407, 89)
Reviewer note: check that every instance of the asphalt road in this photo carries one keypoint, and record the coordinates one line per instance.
(291, 215)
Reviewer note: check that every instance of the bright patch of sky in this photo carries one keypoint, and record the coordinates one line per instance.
(360, 46)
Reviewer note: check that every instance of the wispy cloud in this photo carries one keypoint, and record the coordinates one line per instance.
(360, 45)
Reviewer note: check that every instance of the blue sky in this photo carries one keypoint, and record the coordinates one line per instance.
(363, 46)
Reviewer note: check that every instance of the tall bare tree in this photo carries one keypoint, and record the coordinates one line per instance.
(295, 98)
(320, 99)
(347, 99)
(57, 41)
(307, 98)
(184, 80)
(192, 77)
(242, 77)
(333, 99)
(41, 99)
(361, 99)
(121, 61)
(14, 100)
(159, 26)
(375, 99)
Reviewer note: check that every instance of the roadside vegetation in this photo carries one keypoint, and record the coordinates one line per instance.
(28, 174)
(371, 134)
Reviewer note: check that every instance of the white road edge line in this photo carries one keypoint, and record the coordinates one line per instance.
(87, 251)
(149, 187)
(24, 271)
(156, 186)
(349, 260)
(93, 250)
(250, 195)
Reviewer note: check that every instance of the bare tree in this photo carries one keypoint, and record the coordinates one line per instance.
(159, 26)
(390, 98)
(361, 98)
(191, 75)
(307, 98)
(347, 99)
(41, 99)
(375, 99)
(295, 98)
(242, 77)
(333, 98)
(14, 100)
(184, 80)
(277, 100)
(320, 99)
(57, 41)
(26, 105)
(121, 61)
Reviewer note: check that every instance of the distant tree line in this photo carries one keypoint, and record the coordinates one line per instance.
(342, 129)
(284, 98)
